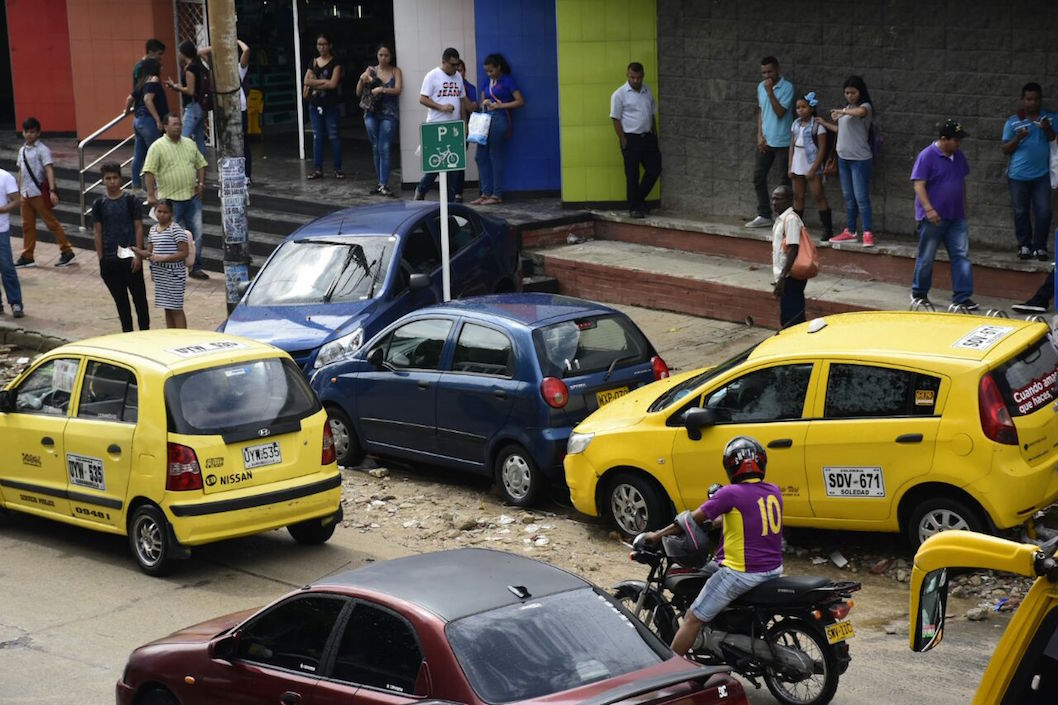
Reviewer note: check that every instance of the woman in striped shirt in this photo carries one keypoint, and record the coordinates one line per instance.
(167, 252)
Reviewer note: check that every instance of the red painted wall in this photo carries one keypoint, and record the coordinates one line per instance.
(40, 63)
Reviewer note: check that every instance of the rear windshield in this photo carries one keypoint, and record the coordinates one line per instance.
(221, 400)
(588, 345)
(1027, 380)
(323, 271)
(550, 645)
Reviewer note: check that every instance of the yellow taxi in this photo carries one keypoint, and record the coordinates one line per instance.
(1024, 665)
(872, 421)
(174, 438)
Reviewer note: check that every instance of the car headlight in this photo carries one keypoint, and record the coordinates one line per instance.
(578, 442)
(340, 347)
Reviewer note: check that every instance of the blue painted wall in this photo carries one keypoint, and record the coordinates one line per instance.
(524, 32)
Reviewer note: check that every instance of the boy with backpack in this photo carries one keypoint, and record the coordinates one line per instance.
(117, 222)
(36, 183)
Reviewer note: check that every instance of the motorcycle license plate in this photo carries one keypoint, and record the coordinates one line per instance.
(839, 631)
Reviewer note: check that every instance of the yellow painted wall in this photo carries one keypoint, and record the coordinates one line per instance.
(596, 41)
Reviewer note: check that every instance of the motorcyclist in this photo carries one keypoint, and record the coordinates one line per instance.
(750, 512)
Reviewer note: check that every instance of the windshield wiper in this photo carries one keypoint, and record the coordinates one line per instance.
(349, 257)
(613, 364)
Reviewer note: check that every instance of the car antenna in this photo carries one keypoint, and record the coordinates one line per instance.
(519, 591)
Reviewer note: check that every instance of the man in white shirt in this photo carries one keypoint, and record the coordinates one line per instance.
(9, 202)
(444, 96)
(632, 109)
(785, 241)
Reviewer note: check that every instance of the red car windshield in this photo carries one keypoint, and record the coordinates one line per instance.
(550, 645)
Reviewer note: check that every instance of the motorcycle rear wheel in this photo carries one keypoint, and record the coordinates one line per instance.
(656, 614)
(817, 689)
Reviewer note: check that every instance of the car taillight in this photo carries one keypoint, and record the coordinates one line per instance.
(661, 370)
(555, 392)
(329, 454)
(184, 472)
(995, 417)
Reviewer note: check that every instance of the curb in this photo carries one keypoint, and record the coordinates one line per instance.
(29, 340)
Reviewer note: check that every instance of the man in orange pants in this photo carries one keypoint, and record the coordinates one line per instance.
(35, 175)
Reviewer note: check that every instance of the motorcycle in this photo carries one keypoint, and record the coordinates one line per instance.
(791, 632)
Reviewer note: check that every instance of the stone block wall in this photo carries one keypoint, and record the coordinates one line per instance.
(922, 61)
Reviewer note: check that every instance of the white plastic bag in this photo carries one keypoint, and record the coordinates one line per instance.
(478, 128)
(1054, 164)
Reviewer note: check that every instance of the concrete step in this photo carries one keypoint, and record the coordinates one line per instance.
(720, 286)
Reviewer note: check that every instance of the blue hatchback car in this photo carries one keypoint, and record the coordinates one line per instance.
(335, 282)
(492, 384)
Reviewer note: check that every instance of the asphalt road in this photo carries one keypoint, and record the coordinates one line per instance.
(73, 605)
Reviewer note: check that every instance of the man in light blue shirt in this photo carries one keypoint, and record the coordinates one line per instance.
(1027, 137)
(775, 96)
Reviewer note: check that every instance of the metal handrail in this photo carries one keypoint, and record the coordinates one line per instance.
(80, 156)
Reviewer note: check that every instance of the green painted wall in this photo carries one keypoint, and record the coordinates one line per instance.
(596, 41)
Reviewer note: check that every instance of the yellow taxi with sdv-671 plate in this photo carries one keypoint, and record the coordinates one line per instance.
(174, 438)
(873, 421)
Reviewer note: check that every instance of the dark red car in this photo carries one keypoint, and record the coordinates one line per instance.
(469, 626)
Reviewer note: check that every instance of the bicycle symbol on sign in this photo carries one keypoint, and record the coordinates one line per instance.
(447, 157)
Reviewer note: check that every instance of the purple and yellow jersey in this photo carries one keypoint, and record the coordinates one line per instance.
(752, 514)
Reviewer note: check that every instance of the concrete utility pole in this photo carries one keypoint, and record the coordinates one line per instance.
(227, 112)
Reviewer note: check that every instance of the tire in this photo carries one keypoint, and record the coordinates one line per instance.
(346, 444)
(517, 476)
(656, 614)
(938, 514)
(313, 532)
(819, 688)
(158, 696)
(150, 541)
(636, 505)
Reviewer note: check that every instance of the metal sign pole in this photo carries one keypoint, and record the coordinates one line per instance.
(446, 273)
(297, 74)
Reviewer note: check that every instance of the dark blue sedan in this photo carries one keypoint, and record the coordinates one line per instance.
(337, 281)
(493, 385)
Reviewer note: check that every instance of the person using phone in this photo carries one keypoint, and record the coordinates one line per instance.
(1027, 135)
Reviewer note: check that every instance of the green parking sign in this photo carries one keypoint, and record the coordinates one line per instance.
(444, 146)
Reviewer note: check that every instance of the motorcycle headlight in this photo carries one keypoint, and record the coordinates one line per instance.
(339, 348)
(578, 442)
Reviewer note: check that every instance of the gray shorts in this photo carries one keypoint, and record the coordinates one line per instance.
(725, 585)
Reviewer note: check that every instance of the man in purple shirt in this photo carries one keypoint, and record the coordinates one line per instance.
(750, 511)
(939, 178)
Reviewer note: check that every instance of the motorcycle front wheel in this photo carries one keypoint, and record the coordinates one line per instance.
(817, 689)
(656, 614)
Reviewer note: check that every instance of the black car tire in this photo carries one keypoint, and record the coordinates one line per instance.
(938, 514)
(313, 532)
(346, 444)
(517, 476)
(158, 696)
(636, 505)
(150, 540)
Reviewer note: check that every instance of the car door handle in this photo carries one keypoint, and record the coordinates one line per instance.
(47, 441)
(290, 698)
(909, 438)
(781, 443)
(114, 449)
(422, 384)
(499, 393)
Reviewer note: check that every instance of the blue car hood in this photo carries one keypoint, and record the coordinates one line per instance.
(301, 327)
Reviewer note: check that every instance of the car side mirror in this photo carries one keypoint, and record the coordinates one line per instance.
(927, 626)
(375, 358)
(7, 400)
(696, 419)
(224, 648)
(419, 281)
(242, 287)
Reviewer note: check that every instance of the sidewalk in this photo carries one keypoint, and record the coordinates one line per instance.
(71, 303)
